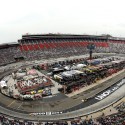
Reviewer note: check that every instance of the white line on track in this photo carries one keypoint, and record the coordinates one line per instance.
(19, 105)
(11, 103)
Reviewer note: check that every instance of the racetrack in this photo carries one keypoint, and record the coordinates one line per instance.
(81, 112)
(70, 107)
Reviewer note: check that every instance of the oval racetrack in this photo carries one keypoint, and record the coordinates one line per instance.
(69, 107)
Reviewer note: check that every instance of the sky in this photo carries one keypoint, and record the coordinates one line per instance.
(94, 17)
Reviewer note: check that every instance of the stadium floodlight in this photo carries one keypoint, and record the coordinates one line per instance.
(91, 47)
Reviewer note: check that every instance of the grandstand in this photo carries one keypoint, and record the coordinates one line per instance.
(67, 45)
(52, 45)
(10, 53)
(36, 47)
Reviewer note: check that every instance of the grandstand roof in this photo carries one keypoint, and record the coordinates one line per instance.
(6, 45)
(39, 36)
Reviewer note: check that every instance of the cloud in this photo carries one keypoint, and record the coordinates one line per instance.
(65, 16)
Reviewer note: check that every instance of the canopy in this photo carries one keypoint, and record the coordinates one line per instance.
(20, 75)
(67, 68)
(32, 72)
(3, 84)
(80, 66)
(71, 73)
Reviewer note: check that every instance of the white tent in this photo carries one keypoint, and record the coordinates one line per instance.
(20, 75)
(71, 73)
(67, 68)
(3, 84)
(80, 66)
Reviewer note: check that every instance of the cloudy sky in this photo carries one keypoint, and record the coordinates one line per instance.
(18, 17)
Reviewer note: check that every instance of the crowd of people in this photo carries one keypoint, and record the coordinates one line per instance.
(121, 107)
(5, 120)
(115, 119)
(8, 55)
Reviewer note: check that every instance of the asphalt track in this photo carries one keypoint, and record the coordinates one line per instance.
(114, 97)
(59, 103)
(93, 100)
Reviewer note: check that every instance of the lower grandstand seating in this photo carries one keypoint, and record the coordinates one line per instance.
(117, 46)
(7, 55)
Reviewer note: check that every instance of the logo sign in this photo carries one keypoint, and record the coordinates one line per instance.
(46, 113)
(109, 91)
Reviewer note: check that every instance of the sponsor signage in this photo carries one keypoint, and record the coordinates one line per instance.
(110, 90)
(46, 113)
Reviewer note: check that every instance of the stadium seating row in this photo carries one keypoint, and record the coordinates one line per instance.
(29, 47)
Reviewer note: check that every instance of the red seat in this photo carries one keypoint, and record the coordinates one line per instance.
(41, 45)
(25, 48)
(21, 47)
(30, 47)
(36, 47)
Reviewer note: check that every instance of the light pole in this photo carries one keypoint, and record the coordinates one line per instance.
(91, 47)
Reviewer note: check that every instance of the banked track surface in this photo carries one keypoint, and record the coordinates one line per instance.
(118, 94)
(113, 97)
